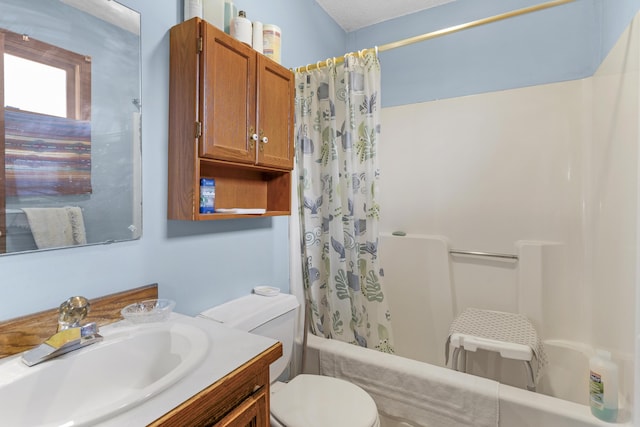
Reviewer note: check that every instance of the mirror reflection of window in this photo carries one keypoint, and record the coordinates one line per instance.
(47, 118)
(34, 86)
(36, 73)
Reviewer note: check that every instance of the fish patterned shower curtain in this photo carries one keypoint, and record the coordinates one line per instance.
(337, 133)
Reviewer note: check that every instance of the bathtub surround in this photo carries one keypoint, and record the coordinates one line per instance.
(548, 172)
(337, 134)
(423, 261)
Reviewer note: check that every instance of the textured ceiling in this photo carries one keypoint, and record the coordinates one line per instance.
(355, 14)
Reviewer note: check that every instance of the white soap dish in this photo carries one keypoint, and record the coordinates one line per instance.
(267, 291)
(152, 310)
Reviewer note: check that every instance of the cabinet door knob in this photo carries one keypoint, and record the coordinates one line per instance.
(264, 140)
(254, 137)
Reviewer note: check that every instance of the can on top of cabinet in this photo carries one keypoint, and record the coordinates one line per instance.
(271, 41)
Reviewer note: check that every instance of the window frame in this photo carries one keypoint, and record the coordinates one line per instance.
(77, 68)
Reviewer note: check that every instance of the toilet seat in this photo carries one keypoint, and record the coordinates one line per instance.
(319, 401)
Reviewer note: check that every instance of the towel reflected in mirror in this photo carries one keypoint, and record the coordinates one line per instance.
(56, 227)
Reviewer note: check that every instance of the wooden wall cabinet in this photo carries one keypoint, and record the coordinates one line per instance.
(231, 117)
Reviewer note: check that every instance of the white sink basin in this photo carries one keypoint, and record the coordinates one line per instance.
(131, 365)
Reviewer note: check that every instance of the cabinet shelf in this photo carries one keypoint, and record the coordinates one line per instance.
(237, 186)
(217, 216)
(246, 187)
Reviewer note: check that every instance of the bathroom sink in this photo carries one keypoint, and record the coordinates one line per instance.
(131, 365)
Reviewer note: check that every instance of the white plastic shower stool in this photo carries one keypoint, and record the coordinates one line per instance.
(509, 334)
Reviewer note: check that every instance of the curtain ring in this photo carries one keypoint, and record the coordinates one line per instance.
(306, 68)
(346, 58)
(318, 65)
(376, 48)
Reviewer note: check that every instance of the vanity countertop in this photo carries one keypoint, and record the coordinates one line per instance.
(228, 350)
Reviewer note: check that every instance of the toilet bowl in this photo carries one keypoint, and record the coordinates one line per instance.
(306, 400)
(314, 400)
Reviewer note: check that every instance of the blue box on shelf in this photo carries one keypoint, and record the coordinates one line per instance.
(207, 195)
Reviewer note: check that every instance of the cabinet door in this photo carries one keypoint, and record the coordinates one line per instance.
(227, 97)
(275, 114)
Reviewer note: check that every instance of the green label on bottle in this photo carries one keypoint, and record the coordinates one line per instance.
(596, 390)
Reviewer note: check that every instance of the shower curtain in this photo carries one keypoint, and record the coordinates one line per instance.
(337, 131)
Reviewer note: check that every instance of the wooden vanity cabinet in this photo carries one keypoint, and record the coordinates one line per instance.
(240, 399)
(231, 117)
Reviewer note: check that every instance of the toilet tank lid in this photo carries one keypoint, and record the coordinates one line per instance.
(248, 312)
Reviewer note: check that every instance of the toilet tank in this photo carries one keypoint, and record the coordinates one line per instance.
(268, 316)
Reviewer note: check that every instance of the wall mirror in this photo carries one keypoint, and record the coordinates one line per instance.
(70, 124)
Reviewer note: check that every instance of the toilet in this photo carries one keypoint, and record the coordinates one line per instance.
(306, 400)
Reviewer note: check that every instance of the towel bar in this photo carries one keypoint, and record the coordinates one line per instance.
(484, 254)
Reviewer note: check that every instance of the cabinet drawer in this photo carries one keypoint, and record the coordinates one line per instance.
(250, 413)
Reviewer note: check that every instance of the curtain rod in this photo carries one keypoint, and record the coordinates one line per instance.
(438, 33)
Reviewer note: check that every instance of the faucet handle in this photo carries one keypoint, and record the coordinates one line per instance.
(72, 311)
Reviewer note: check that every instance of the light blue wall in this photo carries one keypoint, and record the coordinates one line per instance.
(563, 43)
(197, 264)
(201, 264)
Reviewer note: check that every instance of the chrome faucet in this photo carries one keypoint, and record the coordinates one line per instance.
(70, 335)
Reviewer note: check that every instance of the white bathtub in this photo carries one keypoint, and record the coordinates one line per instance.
(517, 407)
(426, 287)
